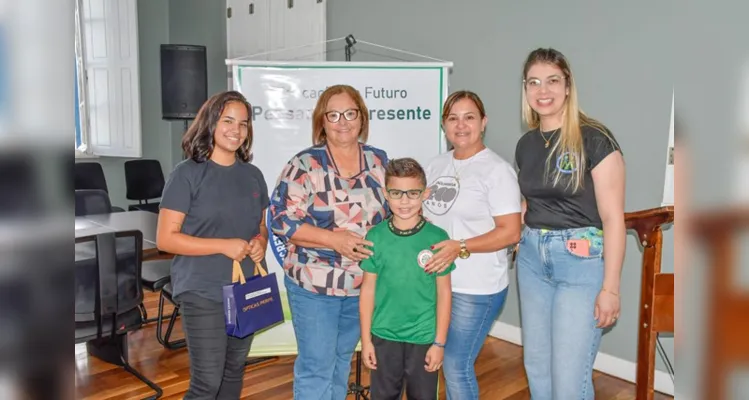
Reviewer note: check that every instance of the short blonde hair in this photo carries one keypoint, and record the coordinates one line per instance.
(318, 116)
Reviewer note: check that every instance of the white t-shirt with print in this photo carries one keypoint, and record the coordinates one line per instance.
(465, 196)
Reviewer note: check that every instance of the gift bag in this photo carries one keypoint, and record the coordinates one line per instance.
(253, 304)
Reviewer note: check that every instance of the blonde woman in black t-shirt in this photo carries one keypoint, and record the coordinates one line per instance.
(571, 175)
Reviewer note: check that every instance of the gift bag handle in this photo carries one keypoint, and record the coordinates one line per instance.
(238, 276)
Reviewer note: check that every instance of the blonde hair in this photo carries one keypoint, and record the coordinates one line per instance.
(573, 118)
(318, 116)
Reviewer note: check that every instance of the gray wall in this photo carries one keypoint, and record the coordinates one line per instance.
(160, 22)
(619, 57)
(199, 22)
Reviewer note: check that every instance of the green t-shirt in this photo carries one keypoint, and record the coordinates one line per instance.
(405, 308)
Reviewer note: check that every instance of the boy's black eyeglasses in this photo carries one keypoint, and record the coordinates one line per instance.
(335, 116)
(412, 194)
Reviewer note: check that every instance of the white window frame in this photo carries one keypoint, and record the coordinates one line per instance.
(109, 78)
(82, 150)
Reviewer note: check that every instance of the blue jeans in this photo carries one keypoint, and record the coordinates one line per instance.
(471, 319)
(558, 291)
(327, 331)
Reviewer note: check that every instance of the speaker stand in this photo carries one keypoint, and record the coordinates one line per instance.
(187, 126)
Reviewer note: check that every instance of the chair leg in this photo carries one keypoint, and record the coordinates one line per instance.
(135, 373)
(113, 350)
(176, 344)
(164, 340)
(258, 360)
(147, 320)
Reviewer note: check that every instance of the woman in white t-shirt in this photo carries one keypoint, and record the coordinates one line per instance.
(475, 197)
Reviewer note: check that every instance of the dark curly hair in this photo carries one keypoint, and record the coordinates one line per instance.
(197, 143)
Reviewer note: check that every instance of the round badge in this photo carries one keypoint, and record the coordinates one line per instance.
(423, 257)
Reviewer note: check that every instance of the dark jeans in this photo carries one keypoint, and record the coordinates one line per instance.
(396, 362)
(216, 359)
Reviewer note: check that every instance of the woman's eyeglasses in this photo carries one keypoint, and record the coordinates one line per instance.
(552, 83)
(335, 116)
(412, 194)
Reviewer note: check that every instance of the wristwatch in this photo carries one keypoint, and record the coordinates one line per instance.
(464, 253)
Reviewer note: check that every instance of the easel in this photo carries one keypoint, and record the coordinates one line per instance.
(356, 388)
(727, 343)
(656, 295)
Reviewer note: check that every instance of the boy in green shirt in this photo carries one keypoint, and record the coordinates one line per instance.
(405, 311)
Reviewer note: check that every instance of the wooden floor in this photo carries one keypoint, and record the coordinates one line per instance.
(499, 369)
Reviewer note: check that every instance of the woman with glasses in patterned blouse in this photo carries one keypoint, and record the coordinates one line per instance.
(326, 199)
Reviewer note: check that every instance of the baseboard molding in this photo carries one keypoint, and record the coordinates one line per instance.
(605, 363)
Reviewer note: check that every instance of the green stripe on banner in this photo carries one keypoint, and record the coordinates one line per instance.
(332, 67)
(439, 119)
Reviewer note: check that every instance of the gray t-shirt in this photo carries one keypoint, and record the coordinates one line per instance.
(219, 202)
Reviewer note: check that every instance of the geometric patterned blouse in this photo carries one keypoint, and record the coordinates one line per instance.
(310, 191)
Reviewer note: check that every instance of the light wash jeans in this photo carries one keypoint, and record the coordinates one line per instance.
(471, 319)
(327, 331)
(558, 292)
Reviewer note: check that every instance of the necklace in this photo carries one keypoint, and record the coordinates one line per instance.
(547, 142)
(457, 171)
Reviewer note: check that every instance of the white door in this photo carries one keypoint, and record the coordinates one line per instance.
(257, 26)
(295, 24)
(248, 27)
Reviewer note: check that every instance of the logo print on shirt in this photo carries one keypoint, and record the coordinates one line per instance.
(444, 191)
(423, 257)
(567, 163)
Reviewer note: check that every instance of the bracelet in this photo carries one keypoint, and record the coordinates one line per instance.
(438, 344)
(606, 290)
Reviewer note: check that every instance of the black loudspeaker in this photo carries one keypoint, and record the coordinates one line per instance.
(184, 80)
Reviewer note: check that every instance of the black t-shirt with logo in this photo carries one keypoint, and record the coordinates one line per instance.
(557, 207)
